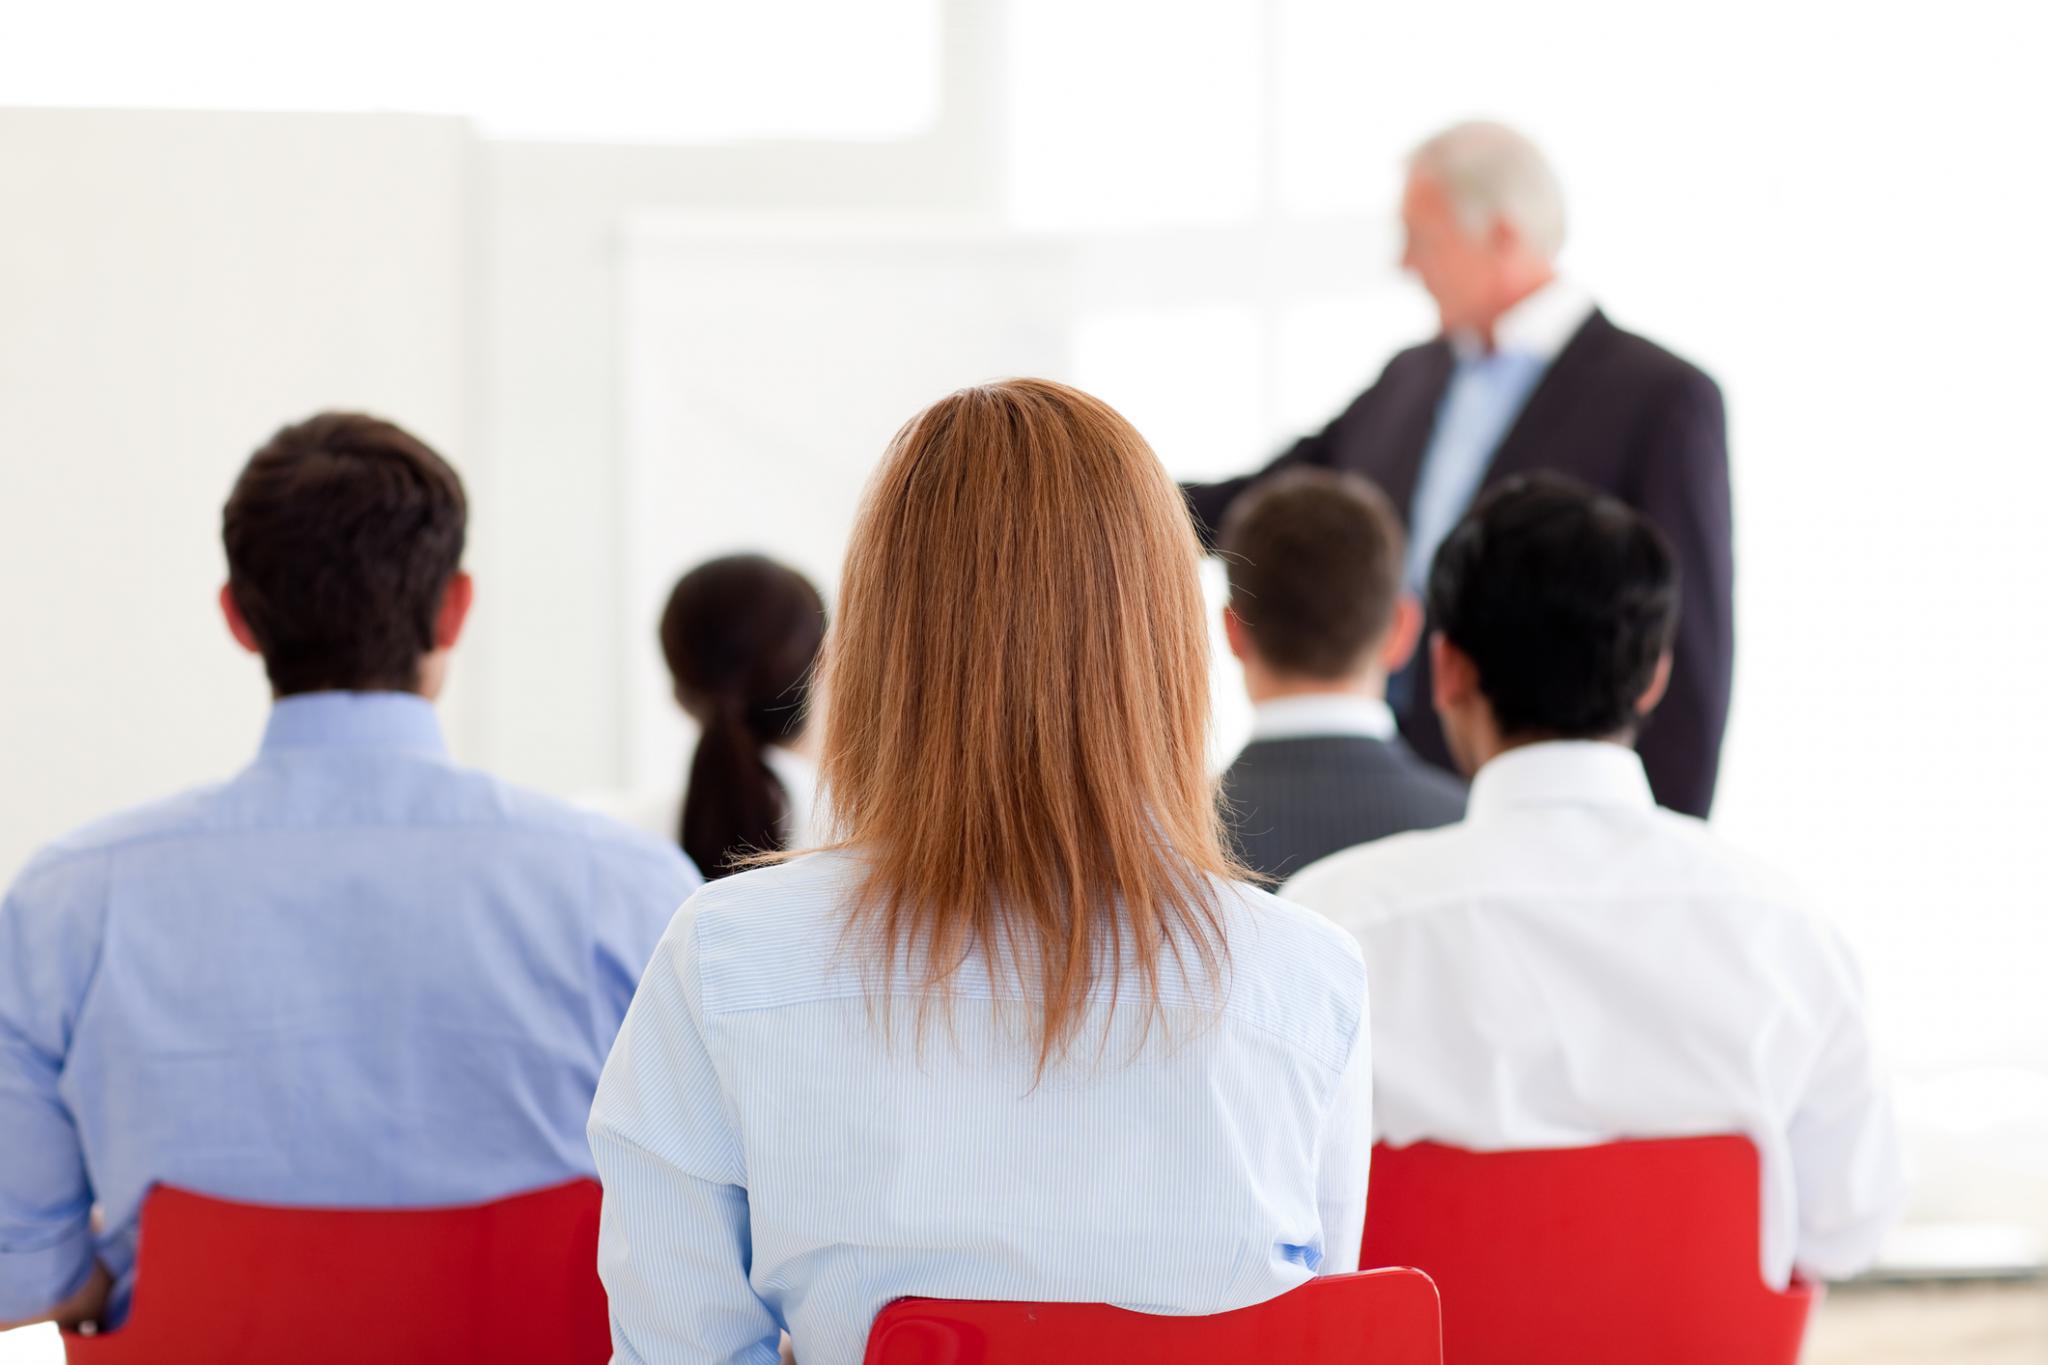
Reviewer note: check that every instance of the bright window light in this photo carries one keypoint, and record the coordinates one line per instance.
(600, 70)
(1139, 113)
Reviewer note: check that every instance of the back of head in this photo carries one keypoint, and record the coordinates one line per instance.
(1493, 173)
(740, 635)
(1314, 559)
(342, 534)
(1564, 599)
(1017, 737)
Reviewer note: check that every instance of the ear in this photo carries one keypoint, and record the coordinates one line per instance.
(455, 603)
(238, 624)
(1237, 633)
(1453, 677)
(1504, 238)
(1403, 633)
(1660, 682)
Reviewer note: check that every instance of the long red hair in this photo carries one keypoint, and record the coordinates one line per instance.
(1018, 681)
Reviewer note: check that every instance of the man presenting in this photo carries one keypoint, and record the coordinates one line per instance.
(1527, 374)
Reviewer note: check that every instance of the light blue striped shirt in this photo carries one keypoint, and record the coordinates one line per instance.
(354, 974)
(778, 1155)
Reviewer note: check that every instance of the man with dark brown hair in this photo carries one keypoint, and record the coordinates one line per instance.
(353, 974)
(1318, 619)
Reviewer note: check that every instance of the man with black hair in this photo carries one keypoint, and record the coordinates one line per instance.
(354, 974)
(1571, 964)
(1318, 619)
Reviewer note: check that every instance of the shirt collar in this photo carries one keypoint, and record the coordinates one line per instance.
(1538, 326)
(1583, 772)
(1322, 713)
(355, 720)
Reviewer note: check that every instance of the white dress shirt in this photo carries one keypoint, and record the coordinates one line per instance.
(780, 1152)
(1315, 715)
(1574, 965)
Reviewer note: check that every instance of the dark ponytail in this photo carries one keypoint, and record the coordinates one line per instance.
(740, 635)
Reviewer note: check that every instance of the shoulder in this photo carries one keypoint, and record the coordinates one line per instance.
(1711, 865)
(1384, 879)
(1420, 367)
(1427, 364)
(772, 935)
(188, 812)
(1276, 923)
(1767, 907)
(1438, 790)
(54, 911)
(1424, 355)
(611, 843)
(1648, 366)
(1261, 759)
(1293, 972)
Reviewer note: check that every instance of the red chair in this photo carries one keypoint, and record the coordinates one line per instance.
(225, 1283)
(1376, 1317)
(1620, 1254)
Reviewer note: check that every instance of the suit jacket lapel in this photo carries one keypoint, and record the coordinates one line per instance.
(1521, 450)
(1409, 424)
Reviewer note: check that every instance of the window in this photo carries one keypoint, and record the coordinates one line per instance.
(610, 70)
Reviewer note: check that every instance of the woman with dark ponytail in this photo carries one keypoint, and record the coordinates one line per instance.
(740, 635)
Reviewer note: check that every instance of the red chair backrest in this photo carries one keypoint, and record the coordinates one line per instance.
(1619, 1254)
(1375, 1317)
(227, 1283)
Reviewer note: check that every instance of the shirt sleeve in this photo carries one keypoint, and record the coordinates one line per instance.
(1848, 1169)
(674, 1245)
(1345, 1164)
(640, 890)
(49, 943)
(1684, 489)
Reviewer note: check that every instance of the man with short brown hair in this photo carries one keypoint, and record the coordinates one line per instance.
(1319, 621)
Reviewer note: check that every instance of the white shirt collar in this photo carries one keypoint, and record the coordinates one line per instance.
(1323, 713)
(1538, 326)
(1585, 772)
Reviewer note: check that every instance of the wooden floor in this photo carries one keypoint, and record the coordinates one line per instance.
(1932, 1325)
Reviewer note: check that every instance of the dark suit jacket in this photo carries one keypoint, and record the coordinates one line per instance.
(1291, 801)
(1617, 412)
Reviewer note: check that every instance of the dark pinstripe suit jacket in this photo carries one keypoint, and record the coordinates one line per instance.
(1291, 801)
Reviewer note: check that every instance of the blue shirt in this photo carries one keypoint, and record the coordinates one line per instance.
(1489, 387)
(355, 974)
(1486, 393)
(779, 1151)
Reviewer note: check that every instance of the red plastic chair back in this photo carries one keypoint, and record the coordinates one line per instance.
(1619, 1254)
(227, 1283)
(1376, 1317)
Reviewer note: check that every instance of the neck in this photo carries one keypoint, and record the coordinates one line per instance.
(1519, 284)
(360, 689)
(1495, 745)
(1262, 686)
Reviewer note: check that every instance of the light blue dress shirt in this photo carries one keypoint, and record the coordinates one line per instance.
(355, 974)
(780, 1152)
(1486, 393)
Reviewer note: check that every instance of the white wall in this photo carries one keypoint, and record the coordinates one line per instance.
(554, 255)
(173, 287)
